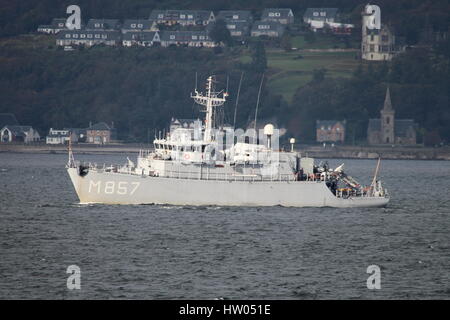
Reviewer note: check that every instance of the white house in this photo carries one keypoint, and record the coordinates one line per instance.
(183, 17)
(267, 28)
(60, 136)
(280, 15)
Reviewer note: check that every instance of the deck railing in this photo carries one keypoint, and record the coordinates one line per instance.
(206, 174)
(203, 174)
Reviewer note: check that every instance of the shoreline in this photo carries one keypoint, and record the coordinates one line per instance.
(337, 152)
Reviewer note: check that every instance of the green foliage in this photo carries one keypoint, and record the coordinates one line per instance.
(259, 59)
(419, 85)
(220, 33)
(310, 37)
(139, 89)
(318, 75)
(286, 42)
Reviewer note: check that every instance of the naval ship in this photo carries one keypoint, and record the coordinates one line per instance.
(215, 166)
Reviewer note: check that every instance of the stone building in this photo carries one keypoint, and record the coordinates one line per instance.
(99, 133)
(330, 131)
(388, 130)
(378, 44)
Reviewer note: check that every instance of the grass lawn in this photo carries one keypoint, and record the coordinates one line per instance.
(291, 70)
(322, 41)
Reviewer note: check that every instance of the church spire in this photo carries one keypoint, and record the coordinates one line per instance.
(387, 101)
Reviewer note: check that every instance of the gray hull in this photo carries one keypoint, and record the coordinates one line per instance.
(116, 188)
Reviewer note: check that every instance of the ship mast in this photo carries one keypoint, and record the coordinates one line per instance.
(211, 100)
(71, 160)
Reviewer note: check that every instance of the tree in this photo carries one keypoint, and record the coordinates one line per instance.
(220, 33)
(310, 37)
(318, 75)
(259, 59)
(286, 42)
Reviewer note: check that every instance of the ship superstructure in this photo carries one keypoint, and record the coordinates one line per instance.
(211, 165)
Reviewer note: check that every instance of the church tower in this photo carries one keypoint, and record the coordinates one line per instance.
(387, 121)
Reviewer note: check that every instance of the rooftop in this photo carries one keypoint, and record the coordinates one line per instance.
(99, 126)
(320, 13)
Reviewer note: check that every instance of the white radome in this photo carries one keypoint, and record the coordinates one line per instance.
(269, 129)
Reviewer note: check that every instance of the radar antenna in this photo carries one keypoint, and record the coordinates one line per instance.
(211, 101)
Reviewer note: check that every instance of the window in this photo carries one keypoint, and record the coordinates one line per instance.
(372, 48)
(97, 25)
(235, 16)
(323, 14)
(190, 16)
(202, 37)
(140, 25)
(277, 14)
(315, 14)
(68, 35)
(133, 25)
(75, 35)
(263, 26)
(160, 16)
(89, 36)
(172, 37)
(97, 36)
(388, 120)
(82, 35)
(104, 36)
(194, 37)
(231, 26)
(271, 14)
(182, 16)
(384, 38)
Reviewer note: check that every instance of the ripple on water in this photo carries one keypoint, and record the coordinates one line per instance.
(169, 252)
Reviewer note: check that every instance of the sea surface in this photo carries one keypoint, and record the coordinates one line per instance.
(173, 252)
